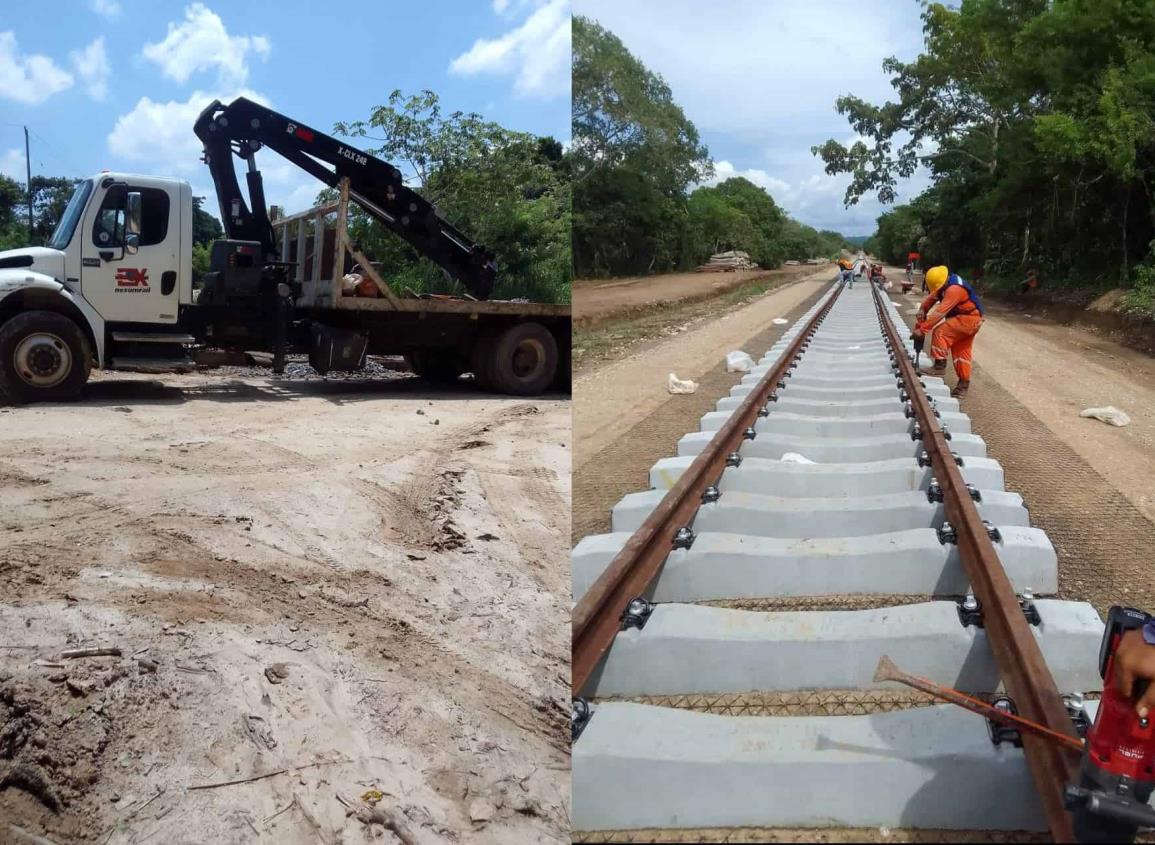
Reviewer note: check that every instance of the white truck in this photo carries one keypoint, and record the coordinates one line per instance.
(113, 287)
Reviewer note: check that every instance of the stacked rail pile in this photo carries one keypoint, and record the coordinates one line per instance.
(900, 500)
(727, 262)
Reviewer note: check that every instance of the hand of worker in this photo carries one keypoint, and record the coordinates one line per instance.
(920, 316)
(1135, 661)
(916, 334)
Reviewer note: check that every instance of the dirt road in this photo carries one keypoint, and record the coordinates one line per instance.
(624, 418)
(360, 585)
(599, 299)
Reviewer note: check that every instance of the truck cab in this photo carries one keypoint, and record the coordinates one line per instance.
(118, 268)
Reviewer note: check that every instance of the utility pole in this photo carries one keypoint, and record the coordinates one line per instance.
(28, 166)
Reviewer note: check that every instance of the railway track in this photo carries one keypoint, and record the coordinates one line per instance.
(899, 515)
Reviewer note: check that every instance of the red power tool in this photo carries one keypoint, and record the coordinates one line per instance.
(1117, 773)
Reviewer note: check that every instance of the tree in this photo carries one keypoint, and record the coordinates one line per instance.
(1036, 120)
(12, 209)
(508, 190)
(206, 228)
(624, 113)
(635, 154)
(50, 196)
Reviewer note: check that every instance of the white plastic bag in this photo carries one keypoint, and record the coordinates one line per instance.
(779, 321)
(738, 362)
(676, 385)
(1108, 414)
(795, 458)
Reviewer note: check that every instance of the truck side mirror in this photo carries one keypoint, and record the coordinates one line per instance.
(132, 216)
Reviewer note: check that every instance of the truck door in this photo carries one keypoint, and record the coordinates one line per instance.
(126, 287)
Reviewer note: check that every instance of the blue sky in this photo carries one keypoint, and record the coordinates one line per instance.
(759, 79)
(118, 83)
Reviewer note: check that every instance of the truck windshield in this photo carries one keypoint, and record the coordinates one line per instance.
(71, 216)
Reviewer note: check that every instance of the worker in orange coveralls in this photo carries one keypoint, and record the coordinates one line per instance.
(951, 314)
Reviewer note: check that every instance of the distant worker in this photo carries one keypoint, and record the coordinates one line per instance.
(952, 315)
(846, 273)
(1029, 283)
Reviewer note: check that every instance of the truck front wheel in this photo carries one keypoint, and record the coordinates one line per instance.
(523, 360)
(44, 357)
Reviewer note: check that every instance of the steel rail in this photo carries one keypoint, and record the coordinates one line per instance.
(1016, 651)
(597, 617)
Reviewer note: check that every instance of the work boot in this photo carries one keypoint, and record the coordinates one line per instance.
(939, 369)
(960, 389)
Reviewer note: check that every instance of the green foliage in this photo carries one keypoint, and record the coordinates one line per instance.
(1036, 119)
(508, 190)
(624, 114)
(1141, 298)
(206, 228)
(50, 195)
(201, 253)
(635, 153)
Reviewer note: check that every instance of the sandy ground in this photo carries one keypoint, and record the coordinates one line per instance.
(609, 400)
(597, 299)
(355, 586)
(1057, 371)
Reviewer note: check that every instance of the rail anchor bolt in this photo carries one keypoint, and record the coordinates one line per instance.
(579, 718)
(711, 494)
(636, 614)
(684, 537)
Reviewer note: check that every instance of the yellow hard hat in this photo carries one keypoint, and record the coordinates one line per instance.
(936, 277)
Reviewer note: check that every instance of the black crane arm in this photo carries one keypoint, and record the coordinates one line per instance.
(243, 127)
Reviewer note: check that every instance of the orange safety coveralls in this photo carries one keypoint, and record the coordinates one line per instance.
(952, 320)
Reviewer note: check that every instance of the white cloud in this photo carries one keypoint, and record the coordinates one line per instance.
(724, 170)
(91, 65)
(157, 138)
(105, 8)
(29, 79)
(12, 165)
(536, 53)
(201, 42)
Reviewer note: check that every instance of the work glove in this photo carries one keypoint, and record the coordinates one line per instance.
(920, 317)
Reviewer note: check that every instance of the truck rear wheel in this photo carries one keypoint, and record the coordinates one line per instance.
(44, 357)
(523, 361)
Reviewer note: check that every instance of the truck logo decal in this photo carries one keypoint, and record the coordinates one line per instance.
(132, 279)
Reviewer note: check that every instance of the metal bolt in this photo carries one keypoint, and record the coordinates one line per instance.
(970, 603)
